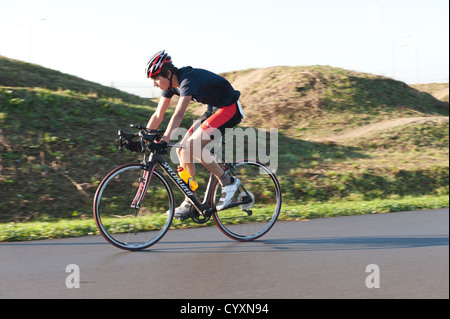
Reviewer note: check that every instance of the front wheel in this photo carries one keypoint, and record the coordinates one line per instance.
(261, 196)
(134, 207)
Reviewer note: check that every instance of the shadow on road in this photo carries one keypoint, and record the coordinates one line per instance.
(271, 245)
(356, 243)
(299, 244)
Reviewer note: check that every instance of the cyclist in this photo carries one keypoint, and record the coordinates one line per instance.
(224, 111)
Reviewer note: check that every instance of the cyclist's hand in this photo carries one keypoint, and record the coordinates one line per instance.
(160, 147)
(134, 146)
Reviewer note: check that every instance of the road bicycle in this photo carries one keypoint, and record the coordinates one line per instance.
(134, 205)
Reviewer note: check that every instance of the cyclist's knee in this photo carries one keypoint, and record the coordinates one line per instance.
(185, 154)
(195, 147)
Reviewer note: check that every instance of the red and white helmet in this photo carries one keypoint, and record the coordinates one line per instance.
(154, 66)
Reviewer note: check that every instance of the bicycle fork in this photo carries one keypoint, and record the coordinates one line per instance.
(144, 182)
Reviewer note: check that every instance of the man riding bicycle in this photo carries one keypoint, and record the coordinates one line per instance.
(224, 111)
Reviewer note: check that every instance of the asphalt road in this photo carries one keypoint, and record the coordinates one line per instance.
(320, 258)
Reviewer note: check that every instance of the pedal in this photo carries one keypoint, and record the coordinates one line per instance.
(182, 218)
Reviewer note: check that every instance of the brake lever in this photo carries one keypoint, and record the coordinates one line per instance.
(125, 138)
(121, 143)
(142, 140)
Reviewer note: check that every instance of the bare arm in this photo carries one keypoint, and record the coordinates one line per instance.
(177, 117)
(158, 116)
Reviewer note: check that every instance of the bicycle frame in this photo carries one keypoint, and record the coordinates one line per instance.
(157, 159)
(205, 208)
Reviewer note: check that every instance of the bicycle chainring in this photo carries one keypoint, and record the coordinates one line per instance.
(198, 218)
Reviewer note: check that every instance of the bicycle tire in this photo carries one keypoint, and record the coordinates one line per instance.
(265, 208)
(131, 228)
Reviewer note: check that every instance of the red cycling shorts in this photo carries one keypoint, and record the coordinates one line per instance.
(223, 118)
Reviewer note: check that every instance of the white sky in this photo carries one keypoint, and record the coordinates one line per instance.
(111, 40)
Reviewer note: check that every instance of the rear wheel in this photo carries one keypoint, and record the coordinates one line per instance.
(119, 217)
(261, 196)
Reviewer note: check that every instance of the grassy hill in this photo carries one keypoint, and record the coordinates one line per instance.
(58, 132)
(57, 138)
(322, 97)
(347, 134)
(16, 73)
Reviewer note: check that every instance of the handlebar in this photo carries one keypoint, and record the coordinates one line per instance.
(140, 127)
(145, 134)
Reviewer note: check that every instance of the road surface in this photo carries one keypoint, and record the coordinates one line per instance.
(320, 258)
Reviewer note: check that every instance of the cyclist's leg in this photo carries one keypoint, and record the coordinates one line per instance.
(229, 185)
(213, 127)
(187, 162)
(197, 142)
(185, 154)
(202, 133)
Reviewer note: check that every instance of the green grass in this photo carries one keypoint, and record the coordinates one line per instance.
(348, 208)
(72, 228)
(54, 139)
